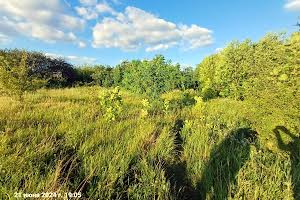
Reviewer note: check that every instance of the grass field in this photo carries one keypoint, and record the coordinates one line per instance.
(58, 141)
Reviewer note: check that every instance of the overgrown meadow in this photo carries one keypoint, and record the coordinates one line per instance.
(228, 129)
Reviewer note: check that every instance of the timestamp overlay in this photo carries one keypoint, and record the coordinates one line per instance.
(54, 195)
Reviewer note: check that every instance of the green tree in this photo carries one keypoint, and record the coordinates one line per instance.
(265, 74)
(206, 73)
(103, 76)
(188, 79)
(151, 77)
(236, 62)
(118, 73)
(273, 88)
(56, 71)
(17, 79)
(84, 74)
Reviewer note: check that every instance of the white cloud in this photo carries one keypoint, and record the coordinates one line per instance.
(82, 44)
(43, 32)
(104, 8)
(86, 13)
(4, 39)
(158, 47)
(44, 20)
(81, 59)
(218, 49)
(293, 5)
(54, 55)
(136, 28)
(73, 59)
(89, 12)
(88, 2)
(196, 36)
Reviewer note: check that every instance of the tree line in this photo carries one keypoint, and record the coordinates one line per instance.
(267, 69)
(149, 77)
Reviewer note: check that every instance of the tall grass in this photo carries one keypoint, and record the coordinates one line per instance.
(58, 141)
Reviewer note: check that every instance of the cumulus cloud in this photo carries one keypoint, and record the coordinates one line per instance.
(293, 5)
(136, 28)
(89, 12)
(73, 59)
(104, 8)
(86, 13)
(44, 20)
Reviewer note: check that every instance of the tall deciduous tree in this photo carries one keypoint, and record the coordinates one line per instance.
(17, 79)
(151, 77)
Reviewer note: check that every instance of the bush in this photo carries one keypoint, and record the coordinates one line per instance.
(151, 77)
(146, 108)
(56, 71)
(111, 104)
(17, 79)
(178, 99)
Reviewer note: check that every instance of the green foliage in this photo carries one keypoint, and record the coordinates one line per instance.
(152, 107)
(265, 74)
(178, 99)
(225, 73)
(84, 75)
(55, 71)
(111, 104)
(274, 90)
(245, 69)
(102, 76)
(188, 79)
(118, 73)
(206, 72)
(17, 79)
(146, 108)
(151, 78)
(157, 75)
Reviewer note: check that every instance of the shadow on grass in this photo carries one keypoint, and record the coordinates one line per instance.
(226, 160)
(220, 172)
(293, 148)
(123, 183)
(176, 172)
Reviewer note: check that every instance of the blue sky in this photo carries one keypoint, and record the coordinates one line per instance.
(110, 31)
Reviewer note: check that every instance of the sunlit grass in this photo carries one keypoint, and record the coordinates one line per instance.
(58, 141)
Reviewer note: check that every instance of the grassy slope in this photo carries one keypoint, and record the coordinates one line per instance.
(58, 141)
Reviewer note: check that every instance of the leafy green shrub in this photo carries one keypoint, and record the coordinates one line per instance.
(265, 75)
(111, 104)
(56, 71)
(16, 80)
(154, 107)
(200, 105)
(146, 108)
(151, 77)
(178, 99)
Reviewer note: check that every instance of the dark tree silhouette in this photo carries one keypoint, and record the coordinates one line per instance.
(293, 148)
